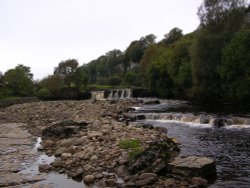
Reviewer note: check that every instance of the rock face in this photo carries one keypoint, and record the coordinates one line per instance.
(63, 129)
(193, 166)
(155, 157)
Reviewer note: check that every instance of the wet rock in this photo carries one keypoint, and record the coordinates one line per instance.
(151, 102)
(48, 143)
(77, 173)
(63, 129)
(88, 179)
(58, 163)
(145, 126)
(44, 168)
(218, 122)
(192, 166)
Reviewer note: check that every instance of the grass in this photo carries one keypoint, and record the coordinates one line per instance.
(129, 143)
(134, 146)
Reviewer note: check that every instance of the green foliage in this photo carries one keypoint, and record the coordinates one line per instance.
(129, 143)
(44, 94)
(114, 81)
(18, 81)
(235, 68)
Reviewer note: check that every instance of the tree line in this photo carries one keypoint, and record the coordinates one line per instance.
(211, 64)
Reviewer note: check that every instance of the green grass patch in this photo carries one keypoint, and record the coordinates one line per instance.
(129, 143)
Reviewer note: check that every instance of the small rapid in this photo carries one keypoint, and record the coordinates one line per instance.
(228, 144)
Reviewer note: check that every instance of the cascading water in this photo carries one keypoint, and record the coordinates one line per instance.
(229, 144)
(120, 94)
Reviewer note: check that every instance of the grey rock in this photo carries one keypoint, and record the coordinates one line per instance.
(88, 179)
(194, 166)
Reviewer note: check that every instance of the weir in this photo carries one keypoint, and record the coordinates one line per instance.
(112, 94)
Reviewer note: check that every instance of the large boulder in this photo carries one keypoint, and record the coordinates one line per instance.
(194, 166)
(63, 129)
(156, 156)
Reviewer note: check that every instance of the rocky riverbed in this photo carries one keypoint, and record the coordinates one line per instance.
(92, 146)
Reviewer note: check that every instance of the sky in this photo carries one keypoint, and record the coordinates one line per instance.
(42, 33)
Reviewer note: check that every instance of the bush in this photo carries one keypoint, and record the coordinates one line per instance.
(44, 94)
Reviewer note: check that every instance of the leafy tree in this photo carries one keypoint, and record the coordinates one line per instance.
(52, 83)
(134, 52)
(218, 25)
(174, 35)
(235, 68)
(66, 70)
(19, 81)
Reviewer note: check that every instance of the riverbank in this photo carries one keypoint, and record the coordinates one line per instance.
(95, 150)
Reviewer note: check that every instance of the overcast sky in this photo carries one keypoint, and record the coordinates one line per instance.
(41, 33)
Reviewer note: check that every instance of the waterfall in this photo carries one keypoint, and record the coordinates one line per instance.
(198, 119)
(120, 94)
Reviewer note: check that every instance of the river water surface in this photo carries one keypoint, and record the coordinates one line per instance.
(228, 145)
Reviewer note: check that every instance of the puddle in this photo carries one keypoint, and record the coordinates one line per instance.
(51, 179)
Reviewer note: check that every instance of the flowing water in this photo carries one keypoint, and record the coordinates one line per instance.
(52, 179)
(228, 145)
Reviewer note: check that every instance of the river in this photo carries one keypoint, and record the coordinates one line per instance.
(228, 145)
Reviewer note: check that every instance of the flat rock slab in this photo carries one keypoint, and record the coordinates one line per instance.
(16, 153)
(192, 166)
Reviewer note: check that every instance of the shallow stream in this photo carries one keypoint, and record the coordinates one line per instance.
(229, 145)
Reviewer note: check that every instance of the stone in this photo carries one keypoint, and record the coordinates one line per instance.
(161, 149)
(146, 179)
(191, 166)
(110, 182)
(44, 168)
(199, 181)
(66, 155)
(88, 179)
(66, 142)
(94, 134)
(79, 154)
(48, 143)
(151, 102)
(122, 171)
(89, 168)
(147, 175)
(77, 173)
(58, 163)
(93, 158)
(63, 129)
(169, 183)
(60, 151)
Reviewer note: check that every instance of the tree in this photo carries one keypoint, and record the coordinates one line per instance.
(220, 19)
(66, 70)
(173, 35)
(235, 68)
(135, 51)
(19, 81)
